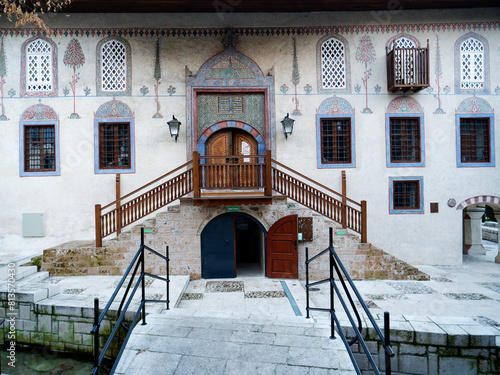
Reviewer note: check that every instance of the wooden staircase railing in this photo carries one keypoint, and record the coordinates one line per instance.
(109, 221)
(229, 172)
(349, 213)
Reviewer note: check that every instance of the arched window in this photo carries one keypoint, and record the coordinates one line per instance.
(333, 55)
(471, 65)
(113, 67)
(39, 67)
(402, 41)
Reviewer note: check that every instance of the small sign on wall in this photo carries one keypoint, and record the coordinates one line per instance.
(233, 208)
(305, 225)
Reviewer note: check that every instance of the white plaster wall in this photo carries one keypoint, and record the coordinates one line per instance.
(68, 200)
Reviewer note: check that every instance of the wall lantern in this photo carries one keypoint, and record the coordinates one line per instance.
(174, 126)
(287, 123)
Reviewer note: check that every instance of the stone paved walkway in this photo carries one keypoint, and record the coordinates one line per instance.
(183, 342)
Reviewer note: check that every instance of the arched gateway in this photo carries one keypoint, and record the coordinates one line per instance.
(236, 244)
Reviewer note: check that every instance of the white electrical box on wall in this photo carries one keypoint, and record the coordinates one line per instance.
(33, 225)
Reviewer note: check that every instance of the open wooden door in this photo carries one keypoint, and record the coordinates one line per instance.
(282, 253)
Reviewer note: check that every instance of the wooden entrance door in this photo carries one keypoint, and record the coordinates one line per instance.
(231, 172)
(217, 248)
(282, 253)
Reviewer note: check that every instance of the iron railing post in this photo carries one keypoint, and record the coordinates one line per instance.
(96, 337)
(167, 261)
(307, 283)
(143, 281)
(332, 307)
(387, 337)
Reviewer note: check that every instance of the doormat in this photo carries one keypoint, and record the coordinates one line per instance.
(224, 286)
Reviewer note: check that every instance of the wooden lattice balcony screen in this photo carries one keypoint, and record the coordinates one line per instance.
(225, 174)
(407, 69)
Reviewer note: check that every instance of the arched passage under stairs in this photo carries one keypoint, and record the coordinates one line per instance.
(237, 244)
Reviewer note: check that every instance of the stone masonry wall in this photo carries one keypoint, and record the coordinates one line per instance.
(424, 347)
(180, 228)
(59, 328)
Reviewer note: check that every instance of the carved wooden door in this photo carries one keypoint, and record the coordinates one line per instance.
(282, 253)
(245, 175)
(217, 171)
(224, 171)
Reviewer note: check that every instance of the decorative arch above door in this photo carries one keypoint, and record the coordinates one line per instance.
(230, 87)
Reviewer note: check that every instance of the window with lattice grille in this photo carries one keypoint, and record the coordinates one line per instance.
(333, 64)
(475, 140)
(472, 72)
(39, 66)
(404, 62)
(39, 148)
(405, 140)
(113, 66)
(114, 146)
(406, 194)
(336, 141)
(403, 42)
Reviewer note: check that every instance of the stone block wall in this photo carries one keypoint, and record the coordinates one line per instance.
(59, 328)
(179, 227)
(426, 347)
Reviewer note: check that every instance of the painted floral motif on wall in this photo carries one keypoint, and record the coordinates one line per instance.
(74, 58)
(295, 79)
(157, 77)
(365, 53)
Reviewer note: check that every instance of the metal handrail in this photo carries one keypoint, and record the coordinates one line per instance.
(138, 261)
(337, 266)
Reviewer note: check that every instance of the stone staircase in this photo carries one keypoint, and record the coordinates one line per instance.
(180, 227)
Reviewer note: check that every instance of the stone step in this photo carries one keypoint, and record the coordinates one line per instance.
(34, 277)
(21, 272)
(178, 343)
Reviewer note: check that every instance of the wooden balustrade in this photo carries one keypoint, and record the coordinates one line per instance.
(349, 213)
(232, 171)
(228, 173)
(407, 69)
(136, 205)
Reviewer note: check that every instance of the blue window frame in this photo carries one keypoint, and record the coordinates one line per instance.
(475, 140)
(406, 195)
(335, 141)
(114, 150)
(405, 146)
(39, 149)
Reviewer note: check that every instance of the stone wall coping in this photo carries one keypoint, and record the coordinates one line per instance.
(433, 330)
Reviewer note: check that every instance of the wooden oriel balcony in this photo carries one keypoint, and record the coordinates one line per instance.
(407, 69)
(228, 180)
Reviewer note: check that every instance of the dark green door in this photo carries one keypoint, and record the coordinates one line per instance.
(217, 248)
